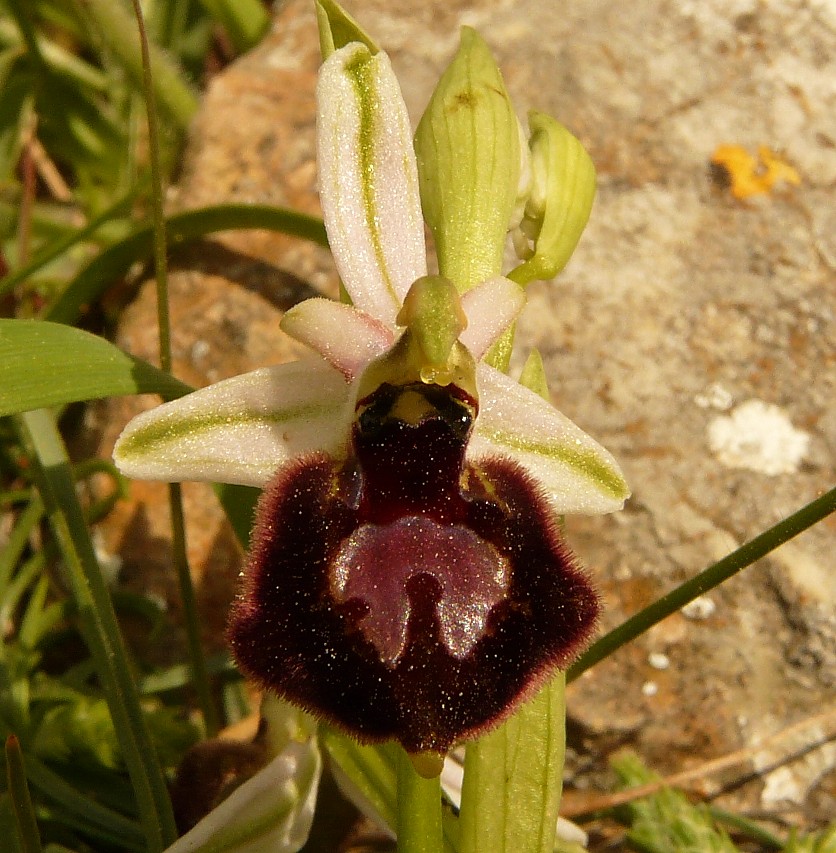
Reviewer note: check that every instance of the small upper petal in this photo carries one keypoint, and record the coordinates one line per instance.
(345, 337)
(576, 474)
(368, 180)
(490, 307)
(241, 429)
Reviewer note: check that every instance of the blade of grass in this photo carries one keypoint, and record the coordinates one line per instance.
(711, 577)
(245, 21)
(112, 263)
(27, 826)
(100, 628)
(17, 540)
(56, 248)
(34, 359)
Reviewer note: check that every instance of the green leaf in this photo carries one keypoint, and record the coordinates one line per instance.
(16, 104)
(43, 442)
(27, 826)
(116, 25)
(819, 842)
(372, 770)
(8, 824)
(513, 778)
(109, 266)
(48, 364)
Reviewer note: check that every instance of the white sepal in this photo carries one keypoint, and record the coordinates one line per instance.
(239, 430)
(576, 474)
(272, 811)
(368, 180)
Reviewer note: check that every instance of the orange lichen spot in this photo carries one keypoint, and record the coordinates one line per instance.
(749, 175)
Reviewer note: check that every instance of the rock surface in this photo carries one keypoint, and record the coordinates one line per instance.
(682, 305)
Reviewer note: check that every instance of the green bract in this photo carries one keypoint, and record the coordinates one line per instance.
(468, 151)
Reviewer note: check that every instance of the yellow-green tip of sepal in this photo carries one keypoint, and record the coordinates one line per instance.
(558, 207)
(468, 150)
(337, 29)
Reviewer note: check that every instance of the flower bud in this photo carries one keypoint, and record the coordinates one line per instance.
(468, 150)
(558, 206)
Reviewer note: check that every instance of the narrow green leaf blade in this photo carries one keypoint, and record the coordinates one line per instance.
(48, 364)
(245, 21)
(513, 779)
(371, 770)
(111, 264)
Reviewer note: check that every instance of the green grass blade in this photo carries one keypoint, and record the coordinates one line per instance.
(27, 826)
(372, 770)
(100, 628)
(112, 21)
(115, 261)
(706, 580)
(48, 364)
(57, 247)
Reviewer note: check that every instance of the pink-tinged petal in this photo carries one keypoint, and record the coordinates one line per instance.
(575, 472)
(368, 180)
(242, 429)
(348, 339)
(490, 308)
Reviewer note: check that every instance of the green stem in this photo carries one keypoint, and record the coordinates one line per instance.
(200, 671)
(175, 496)
(753, 831)
(713, 576)
(27, 826)
(100, 628)
(419, 810)
(114, 261)
(17, 540)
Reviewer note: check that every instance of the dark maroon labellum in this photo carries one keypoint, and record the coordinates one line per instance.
(406, 593)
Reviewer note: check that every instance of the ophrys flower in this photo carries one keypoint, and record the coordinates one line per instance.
(407, 578)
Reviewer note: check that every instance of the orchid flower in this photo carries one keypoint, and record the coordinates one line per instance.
(407, 578)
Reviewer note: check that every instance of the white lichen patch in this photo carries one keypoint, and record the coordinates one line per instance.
(758, 436)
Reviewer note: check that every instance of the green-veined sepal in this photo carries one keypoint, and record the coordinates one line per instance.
(576, 474)
(368, 182)
(239, 430)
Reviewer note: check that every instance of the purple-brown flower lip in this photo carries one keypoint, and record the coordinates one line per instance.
(405, 592)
